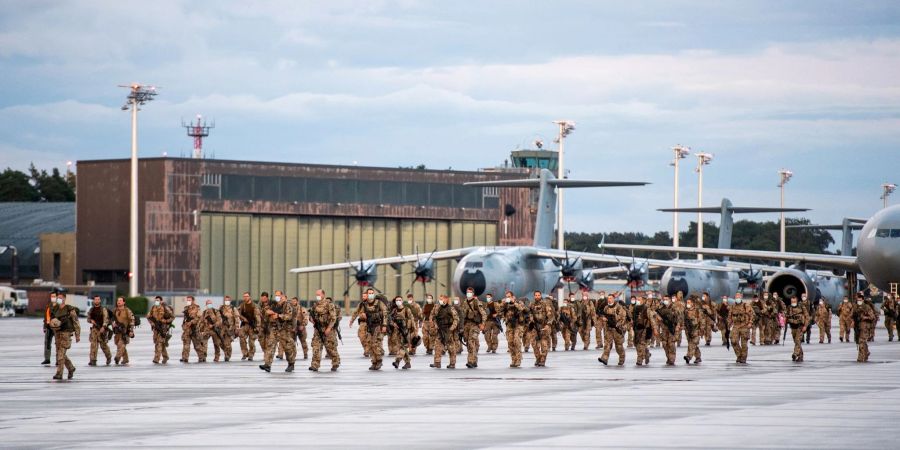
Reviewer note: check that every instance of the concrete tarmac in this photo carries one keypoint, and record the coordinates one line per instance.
(829, 401)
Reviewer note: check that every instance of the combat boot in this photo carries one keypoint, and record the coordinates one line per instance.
(396, 364)
(451, 366)
(71, 374)
(470, 366)
(313, 369)
(335, 368)
(290, 368)
(59, 377)
(621, 362)
(688, 359)
(94, 362)
(165, 359)
(265, 367)
(117, 360)
(46, 362)
(373, 367)
(602, 361)
(698, 361)
(429, 352)
(436, 366)
(154, 362)
(407, 366)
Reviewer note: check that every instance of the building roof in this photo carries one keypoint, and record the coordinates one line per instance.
(21, 223)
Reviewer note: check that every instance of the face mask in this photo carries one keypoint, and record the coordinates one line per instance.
(469, 295)
(859, 302)
(429, 300)
(455, 302)
(846, 301)
(637, 302)
(490, 299)
(409, 302)
(156, 303)
(188, 302)
(793, 303)
(59, 301)
(689, 306)
(228, 303)
(666, 302)
(507, 300)
(318, 298)
(207, 306)
(399, 303)
(584, 299)
(804, 298)
(739, 301)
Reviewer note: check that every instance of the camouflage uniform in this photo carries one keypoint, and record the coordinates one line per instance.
(741, 318)
(864, 319)
(797, 318)
(758, 311)
(629, 325)
(643, 331)
(428, 328)
(823, 321)
(474, 317)
(376, 324)
(123, 330)
(543, 321)
(845, 320)
(362, 333)
(568, 326)
(67, 315)
(281, 333)
(722, 317)
(693, 327)
(250, 323)
(492, 327)
(599, 325)
(583, 315)
(99, 319)
(614, 315)
(403, 321)
(889, 307)
(230, 328)
(416, 311)
(515, 314)
(161, 317)
(211, 327)
(668, 323)
(709, 318)
(678, 304)
(48, 332)
(300, 329)
(190, 333)
(446, 322)
(779, 316)
(322, 315)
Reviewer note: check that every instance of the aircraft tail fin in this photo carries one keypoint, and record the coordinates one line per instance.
(848, 224)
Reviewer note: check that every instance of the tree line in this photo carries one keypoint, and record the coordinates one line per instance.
(36, 186)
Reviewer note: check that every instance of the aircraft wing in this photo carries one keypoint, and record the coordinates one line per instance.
(437, 256)
(597, 257)
(833, 261)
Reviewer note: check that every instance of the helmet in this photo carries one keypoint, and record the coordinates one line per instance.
(55, 323)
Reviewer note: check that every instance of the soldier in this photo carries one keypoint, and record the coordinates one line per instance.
(191, 332)
(741, 317)
(48, 332)
(798, 319)
(64, 322)
(515, 314)
(889, 307)
(428, 330)
(599, 325)
(474, 318)
(376, 325)
(492, 326)
(265, 333)
(323, 315)
(401, 321)
(123, 330)
(845, 319)
(768, 319)
(583, 313)
(416, 311)
(668, 323)
(722, 324)
(758, 310)
(160, 318)
(811, 314)
(614, 315)
(446, 321)
(823, 321)
(360, 317)
(250, 323)
(542, 321)
(211, 327)
(301, 318)
(99, 319)
(568, 323)
(230, 326)
(693, 327)
(459, 330)
(281, 332)
(678, 304)
(780, 316)
(640, 317)
(709, 317)
(864, 319)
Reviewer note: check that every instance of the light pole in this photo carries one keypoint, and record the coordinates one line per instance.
(13, 263)
(138, 95)
(785, 177)
(681, 152)
(886, 190)
(703, 159)
(566, 127)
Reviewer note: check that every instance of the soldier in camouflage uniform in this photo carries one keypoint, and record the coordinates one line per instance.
(889, 307)
(402, 321)
(668, 324)
(709, 317)
(376, 326)
(250, 327)
(741, 318)
(823, 321)
(583, 313)
(798, 319)
(323, 315)
(231, 326)
(265, 333)
(640, 317)
(474, 317)
(301, 318)
(211, 327)
(864, 320)
(693, 328)
(360, 317)
(845, 319)
(281, 332)
(123, 330)
(568, 323)
(64, 322)
(758, 313)
(492, 325)
(446, 321)
(428, 327)
(190, 331)
(100, 320)
(615, 316)
(515, 314)
(629, 326)
(160, 318)
(722, 314)
(543, 318)
(678, 304)
(416, 311)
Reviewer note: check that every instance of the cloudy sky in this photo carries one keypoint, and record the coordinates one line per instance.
(810, 86)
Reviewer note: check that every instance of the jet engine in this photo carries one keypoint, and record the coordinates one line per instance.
(790, 282)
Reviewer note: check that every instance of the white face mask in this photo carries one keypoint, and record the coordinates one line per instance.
(318, 298)
(689, 306)
(469, 295)
(207, 306)
(637, 302)
(738, 300)
(227, 302)
(507, 300)
(429, 300)
(490, 299)
(399, 303)
(803, 298)
(455, 302)
(846, 301)
(156, 303)
(409, 302)
(793, 303)
(666, 302)
(859, 302)
(59, 301)
(188, 302)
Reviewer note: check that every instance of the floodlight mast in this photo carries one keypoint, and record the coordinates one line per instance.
(785, 176)
(886, 190)
(681, 152)
(138, 95)
(566, 127)
(703, 159)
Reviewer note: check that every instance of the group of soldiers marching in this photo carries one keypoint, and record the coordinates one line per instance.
(448, 326)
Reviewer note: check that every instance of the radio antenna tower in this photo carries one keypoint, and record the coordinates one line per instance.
(198, 131)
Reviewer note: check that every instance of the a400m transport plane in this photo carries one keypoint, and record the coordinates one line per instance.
(519, 269)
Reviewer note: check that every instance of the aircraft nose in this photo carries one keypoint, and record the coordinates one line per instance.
(473, 279)
(677, 285)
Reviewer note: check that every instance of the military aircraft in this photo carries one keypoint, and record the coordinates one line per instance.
(877, 258)
(519, 269)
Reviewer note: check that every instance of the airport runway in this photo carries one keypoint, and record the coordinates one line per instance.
(829, 401)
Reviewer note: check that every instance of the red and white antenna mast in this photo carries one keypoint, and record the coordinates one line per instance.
(198, 131)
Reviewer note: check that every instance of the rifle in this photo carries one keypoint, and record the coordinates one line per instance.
(337, 328)
(401, 328)
(727, 336)
(215, 331)
(784, 335)
(160, 328)
(316, 326)
(119, 328)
